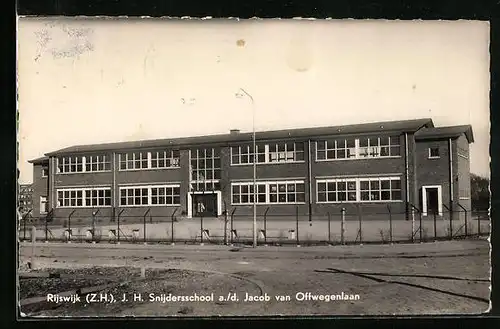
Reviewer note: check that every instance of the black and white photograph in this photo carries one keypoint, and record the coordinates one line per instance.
(182, 167)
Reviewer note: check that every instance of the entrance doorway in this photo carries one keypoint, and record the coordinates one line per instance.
(432, 202)
(204, 205)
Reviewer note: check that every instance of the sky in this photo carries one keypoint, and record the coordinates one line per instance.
(86, 81)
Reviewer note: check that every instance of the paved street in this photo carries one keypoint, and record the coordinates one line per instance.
(432, 278)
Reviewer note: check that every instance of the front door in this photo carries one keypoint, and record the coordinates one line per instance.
(205, 205)
(432, 200)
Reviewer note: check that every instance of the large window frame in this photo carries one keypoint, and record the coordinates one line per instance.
(356, 148)
(150, 195)
(83, 164)
(149, 160)
(205, 169)
(269, 192)
(84, 197)
(379, 189)
(268, 153)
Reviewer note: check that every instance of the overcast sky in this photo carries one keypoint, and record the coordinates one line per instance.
(95, 80)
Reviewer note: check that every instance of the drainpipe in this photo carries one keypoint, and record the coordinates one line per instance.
(52, 181)
(407, 176)
(310, 179)
(450, 149)
(114, 194)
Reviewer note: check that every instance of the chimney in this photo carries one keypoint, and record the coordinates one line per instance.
(234, 131)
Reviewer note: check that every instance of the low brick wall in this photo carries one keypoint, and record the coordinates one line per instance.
(273, 230)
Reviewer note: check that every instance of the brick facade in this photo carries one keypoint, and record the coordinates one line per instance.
(412, 166)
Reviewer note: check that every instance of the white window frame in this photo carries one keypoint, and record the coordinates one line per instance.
(97, 160)
(355, 152)
(380, 190)
(84, 191)
(267, 152)
(430, 156)
(267, 185)
(213, 169)
(134, 160)
(357, 181)
(45, 172)
(150, 195)
(67, 162)
(164, 155)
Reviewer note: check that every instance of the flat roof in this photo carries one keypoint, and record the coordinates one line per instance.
(374, 127)
(446, 132)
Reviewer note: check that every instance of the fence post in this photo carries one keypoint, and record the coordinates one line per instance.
(118, 227)
(144, 223)
(25, 218)
(24, 229)
(420, 223)
(451, 221)
(232, 220)
(297, 225)
(360, 226)
(47, 228)
(478, 225)
(225, 227)
(201, 229)
(466, 231)
(33, 241)
(172, 218)
(342, 226)
(69, 226)
(265, 226)
(94, 214)
(465, 213)
(435, 226)
(412, 224)
(329, 229)
(390, 223)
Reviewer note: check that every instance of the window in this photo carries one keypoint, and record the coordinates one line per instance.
(168, 195)
(95, 163)
(165, 159)
(84, 197)
(359, 189)
(269, 192)
(371, 147)
(268, 153)
(341, 190)
(45, 172)
(79, 164)
(286, 152)
(245, 154)
(433, 152)
(205, 169)
(165, 195)
(71, 164)
(380, 189)
(243, 193)
(134, 161)
(43, 205)
(462, 153)
(363, 147)
(336, 149)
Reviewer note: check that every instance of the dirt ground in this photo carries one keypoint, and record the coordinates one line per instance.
(430, 278)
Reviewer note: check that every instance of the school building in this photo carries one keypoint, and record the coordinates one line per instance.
(403, 165)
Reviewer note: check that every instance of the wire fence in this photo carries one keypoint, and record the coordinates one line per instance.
(339, 227)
